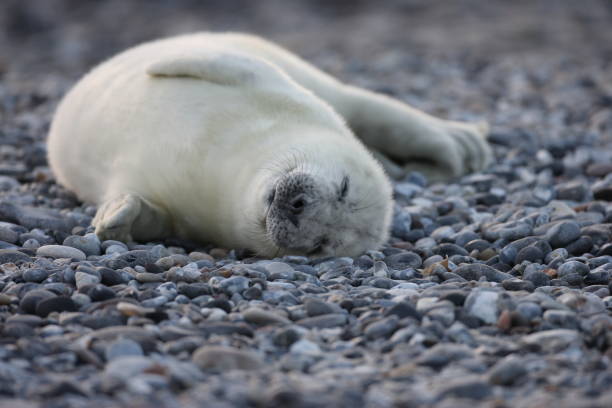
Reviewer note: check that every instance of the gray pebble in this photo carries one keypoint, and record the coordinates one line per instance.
(235, 284)
(573, 267)
(35, 275)
(262, 317)
(83, 279)
(324, 321)
(551, 340)
(482, 303)
(60, 251)
(476, 271)
(563, 233)
(316, 307)
(122, 348)
(89, 243)
(223, 359)
(508, 371)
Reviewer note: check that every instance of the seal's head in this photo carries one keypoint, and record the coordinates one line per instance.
(325, 205)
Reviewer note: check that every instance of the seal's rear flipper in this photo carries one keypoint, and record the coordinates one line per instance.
(218, 68)
(128, 216)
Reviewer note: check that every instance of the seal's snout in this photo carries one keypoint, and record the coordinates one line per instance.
(291, 197)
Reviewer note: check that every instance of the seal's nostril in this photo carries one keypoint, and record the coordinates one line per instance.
(297, 205)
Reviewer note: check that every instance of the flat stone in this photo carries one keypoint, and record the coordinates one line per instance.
(402, 310)
(122, 368)
(602, 190)
(442, 354)
(139, 257)
(89, 243)
(131, 309)
(551, 340)
(508, 371)
(573, 267)
(222, 359)
(13, 256)
(317, 307)
(476, 271)
(122, 348)
(99, 293)
(537, 278)
(9, 232)
(516, 284)
(563, 233)
(55, 304)
(148, 277)
(280, 270)
(60, 251)
(34, 217)
(472, 388)
(403, 260)
(84, 279)
(482, 303)
(145, 338)
(305, 347)
(323, 321)
(262, 317)
(31, 299)
(235, 284)
(35, 275)
(381, 328)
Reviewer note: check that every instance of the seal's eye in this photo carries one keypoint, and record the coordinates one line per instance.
(343, 188)
(271, 196)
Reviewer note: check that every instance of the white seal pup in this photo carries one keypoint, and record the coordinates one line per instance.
(230, 139)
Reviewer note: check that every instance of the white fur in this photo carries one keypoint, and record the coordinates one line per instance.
(201, 125)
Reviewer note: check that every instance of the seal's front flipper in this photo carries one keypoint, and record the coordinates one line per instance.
(129, 217)
(222, 68)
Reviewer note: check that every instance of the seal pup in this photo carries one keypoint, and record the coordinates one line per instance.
(232, 140)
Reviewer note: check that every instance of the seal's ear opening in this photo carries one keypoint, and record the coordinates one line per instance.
(219, 68)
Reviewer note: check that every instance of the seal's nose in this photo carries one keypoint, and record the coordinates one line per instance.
(290, 196)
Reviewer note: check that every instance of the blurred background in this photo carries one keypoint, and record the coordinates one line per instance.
(72, 34)
(542, 64)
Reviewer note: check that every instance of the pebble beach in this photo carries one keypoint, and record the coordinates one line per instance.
(494, 289)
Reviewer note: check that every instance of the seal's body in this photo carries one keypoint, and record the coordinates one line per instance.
(229, 139)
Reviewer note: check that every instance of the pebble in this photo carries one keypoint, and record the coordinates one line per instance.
(602, 190)
(84, 279)
(508, 371)
(537, 278)
(305, 347)
(99, 293)
(12, 256)
(482, 304)
(573, 267)
(549, 341)
(403, 260)
(563, 233)
(60, 251)
(223, 359)
(55, 304)
(122, 348)
(476, 271)
(235, 284)
(316, 307)
(381, 328)
(262, 317)
(89, 244)
(324, 321)
(493, 288)
(32, 298)
(35, 275)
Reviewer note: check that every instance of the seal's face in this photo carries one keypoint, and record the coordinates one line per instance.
(334, 213)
